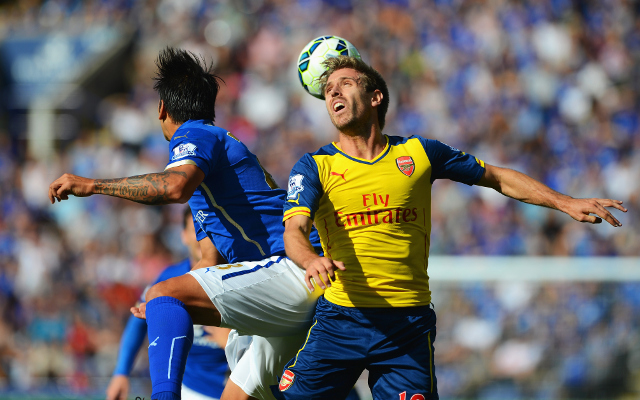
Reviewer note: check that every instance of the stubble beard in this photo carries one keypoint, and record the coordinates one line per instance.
(345, 126)
(350, 126)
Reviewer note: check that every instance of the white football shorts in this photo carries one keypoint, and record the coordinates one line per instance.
(256, 362)
(266, 298)
(190, 394)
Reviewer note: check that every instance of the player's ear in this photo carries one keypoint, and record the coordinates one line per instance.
(376, 98)
(162, 111)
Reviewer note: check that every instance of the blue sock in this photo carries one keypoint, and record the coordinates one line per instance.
(170, 332)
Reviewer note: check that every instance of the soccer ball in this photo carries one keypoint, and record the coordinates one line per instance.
(310, 66)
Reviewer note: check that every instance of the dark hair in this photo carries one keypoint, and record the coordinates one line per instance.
(187, 217)
(369, 77)
(186, 85)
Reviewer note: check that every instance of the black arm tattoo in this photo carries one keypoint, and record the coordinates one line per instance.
(146, 189)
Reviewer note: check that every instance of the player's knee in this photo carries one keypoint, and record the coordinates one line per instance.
(158, 290)
(183, 288)
(187, 289)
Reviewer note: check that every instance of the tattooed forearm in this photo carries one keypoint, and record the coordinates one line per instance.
(158, 188)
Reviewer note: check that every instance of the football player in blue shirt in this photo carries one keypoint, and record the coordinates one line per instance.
(237, 209)
(206, 369)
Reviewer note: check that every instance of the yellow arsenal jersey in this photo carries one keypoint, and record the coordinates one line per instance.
(375, 215)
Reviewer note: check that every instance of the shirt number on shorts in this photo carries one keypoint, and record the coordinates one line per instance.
(227, 266)
(403, 396)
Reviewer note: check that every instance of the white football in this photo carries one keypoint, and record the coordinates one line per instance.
(310, 66)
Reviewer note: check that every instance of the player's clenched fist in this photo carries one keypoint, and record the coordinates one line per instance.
(68, 184)
(322, 270)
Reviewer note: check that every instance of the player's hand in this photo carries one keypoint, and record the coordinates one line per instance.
(580, 210)
(118, 388)
(139, 311)
(322, 270)
(68, 184)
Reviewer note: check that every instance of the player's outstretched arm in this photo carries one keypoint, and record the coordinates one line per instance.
(301, 252)
(524, 188)
(175, 185)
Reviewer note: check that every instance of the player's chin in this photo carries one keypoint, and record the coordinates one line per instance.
(344, 123)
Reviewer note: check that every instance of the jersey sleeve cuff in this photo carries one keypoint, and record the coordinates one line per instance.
(296, 211)
(179, 163)
(480, 172)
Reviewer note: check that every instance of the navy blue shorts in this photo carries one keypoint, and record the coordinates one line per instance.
(394, 344)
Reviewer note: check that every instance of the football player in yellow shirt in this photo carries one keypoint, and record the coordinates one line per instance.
(369, 195)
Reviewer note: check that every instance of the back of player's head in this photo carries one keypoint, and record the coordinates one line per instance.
(186, 85)
(369, 77)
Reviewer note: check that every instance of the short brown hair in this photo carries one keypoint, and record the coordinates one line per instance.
(369, 77)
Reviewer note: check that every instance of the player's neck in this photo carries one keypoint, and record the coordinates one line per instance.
(366, 146)
(169, 128)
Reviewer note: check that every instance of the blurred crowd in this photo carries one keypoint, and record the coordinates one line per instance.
(524, 340)
(550, 88)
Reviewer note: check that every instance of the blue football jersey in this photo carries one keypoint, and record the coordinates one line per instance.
(238, 204)
(207, 366)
